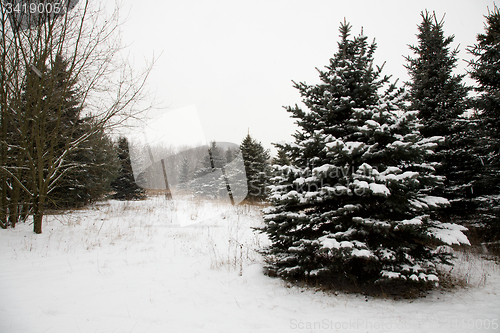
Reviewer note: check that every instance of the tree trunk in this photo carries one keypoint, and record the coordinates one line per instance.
(3, 202)
(38, 214)
(37, 223)
(14, 205)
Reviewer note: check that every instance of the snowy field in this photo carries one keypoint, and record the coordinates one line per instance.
(149, 266)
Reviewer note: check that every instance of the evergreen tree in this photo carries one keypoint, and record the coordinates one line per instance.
(485, 70)
(438, 94)
(185, 174)
(92, 165)
(441, 99)
(124, 185)
(281, 157)
(353, 204)
(101, 165)
(95, 166)
(255, 158)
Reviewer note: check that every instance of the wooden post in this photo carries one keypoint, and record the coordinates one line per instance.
(228, 187)
(226, 180)
(168, 194)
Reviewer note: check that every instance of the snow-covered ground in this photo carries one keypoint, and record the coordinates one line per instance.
(187, 266)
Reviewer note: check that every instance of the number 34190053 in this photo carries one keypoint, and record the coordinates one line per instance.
(32, 7)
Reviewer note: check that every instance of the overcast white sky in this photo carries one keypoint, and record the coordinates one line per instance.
(234, 60)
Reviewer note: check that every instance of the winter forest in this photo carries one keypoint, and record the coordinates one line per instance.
(381, 214)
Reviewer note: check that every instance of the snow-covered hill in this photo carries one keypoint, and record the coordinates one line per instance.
(191, 266)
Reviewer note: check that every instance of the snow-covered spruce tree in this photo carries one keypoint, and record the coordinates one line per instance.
(441, 99)
(353, 206)
(256, 160)
(124, 185)
(485, 70)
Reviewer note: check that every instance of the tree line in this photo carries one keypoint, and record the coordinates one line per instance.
(382, 181)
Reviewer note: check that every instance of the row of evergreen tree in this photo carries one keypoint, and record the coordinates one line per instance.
(380, 180)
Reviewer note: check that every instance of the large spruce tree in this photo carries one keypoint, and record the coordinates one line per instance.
(437, 93)
(485, 70)
(441, 99)
(353, 205)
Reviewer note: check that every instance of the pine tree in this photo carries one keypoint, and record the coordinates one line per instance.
(281, 157)
(95, 166)
(441, 99)
(352, 206)
(438, 94)
(485, 70)
(124, 185)
(92, 165)
(101, 165)
(185, 174)
(255, 158)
